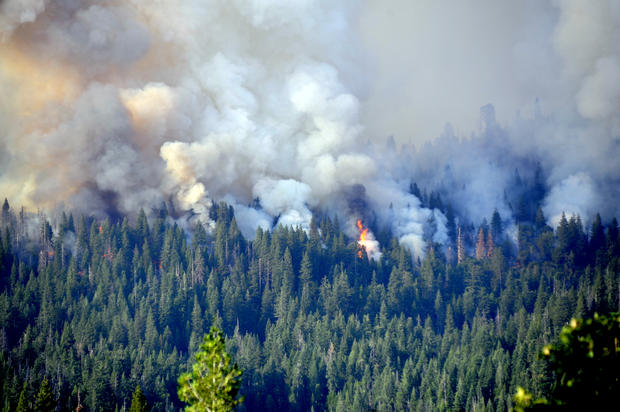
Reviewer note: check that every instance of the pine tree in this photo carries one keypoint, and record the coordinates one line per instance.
(496, 225)
(480, 247)
(22, 404)
(5, 213)
(307, 285)
(197, 322)
(612, 239)
(597, 238)
(213, 384)
(564, 236)
(138, 401)
(45, 399)
(490, 244)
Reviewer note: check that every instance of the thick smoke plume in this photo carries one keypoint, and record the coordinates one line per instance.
(281, 107)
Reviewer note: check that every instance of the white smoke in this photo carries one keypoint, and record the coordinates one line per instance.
(16, 12)
(371, 246)
(587, 38)
(279, 107)
(575, 195)
(199, 102)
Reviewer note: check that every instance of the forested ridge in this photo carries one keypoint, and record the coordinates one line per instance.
(101, 306)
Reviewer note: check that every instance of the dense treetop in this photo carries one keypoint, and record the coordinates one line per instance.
(105, 307)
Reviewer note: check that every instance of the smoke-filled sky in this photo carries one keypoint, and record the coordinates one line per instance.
(109, 106)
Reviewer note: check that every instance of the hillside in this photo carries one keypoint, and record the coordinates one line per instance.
(99, 307)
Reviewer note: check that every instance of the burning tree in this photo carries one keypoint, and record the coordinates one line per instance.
(367, 242)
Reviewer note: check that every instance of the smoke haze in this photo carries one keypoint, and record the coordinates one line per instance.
(111, 106)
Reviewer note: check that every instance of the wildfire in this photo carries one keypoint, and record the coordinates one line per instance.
(362, 242)
(367, 243)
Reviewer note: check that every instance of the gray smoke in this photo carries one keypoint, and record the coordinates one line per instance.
(551, 70)
(116, 105)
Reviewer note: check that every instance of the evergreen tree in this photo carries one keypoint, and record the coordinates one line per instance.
(497, 227)
(480, 245)
(213, 384)
(597, 239)
(5, 213)
(138, 401)
(22, 404)
(45, 399)
(563, 234)
(490, 245)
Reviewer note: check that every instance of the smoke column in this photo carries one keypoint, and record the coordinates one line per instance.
(111, 106)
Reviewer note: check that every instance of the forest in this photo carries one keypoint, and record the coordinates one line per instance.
(94, 308)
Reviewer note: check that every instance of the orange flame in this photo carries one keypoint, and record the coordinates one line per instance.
(362, 240)
(100, 229)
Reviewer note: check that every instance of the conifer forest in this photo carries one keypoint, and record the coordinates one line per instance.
(99, 307)
(309, 205)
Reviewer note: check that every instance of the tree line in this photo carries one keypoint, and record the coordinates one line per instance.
(95, 309)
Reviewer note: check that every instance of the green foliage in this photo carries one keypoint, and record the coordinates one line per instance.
(45, 399)
(103, 305)
(138, 401)
(213, 383)
(22, 404)
(586, 364)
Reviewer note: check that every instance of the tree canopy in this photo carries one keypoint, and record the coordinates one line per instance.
(102, 306)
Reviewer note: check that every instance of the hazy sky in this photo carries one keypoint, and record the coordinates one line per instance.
(432, 62)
